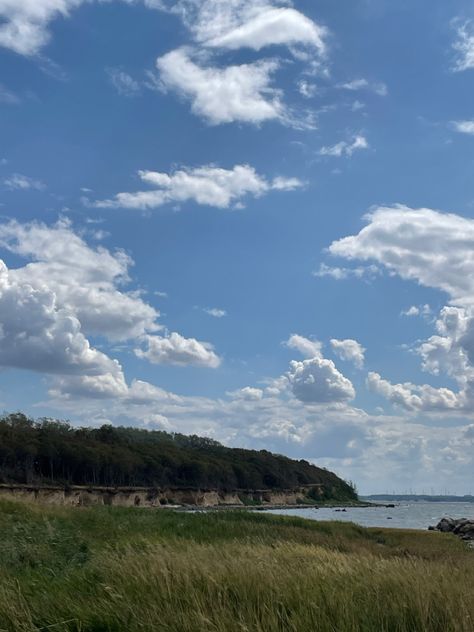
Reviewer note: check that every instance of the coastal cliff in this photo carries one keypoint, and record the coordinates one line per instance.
(158, 497)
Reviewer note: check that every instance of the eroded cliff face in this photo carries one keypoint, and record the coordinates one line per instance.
(151, 497)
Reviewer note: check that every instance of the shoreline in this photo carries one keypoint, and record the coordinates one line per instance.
(271, 507)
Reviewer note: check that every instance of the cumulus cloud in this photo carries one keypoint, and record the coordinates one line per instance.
(451, 350)
(224, 95)
(86, 281)
(38, 334)
(423, 245)
(416, 398)
(464, 127)
(86, 285)
(349, 350)
(208, 185)
(417, 310)
(308, 348)
(317, 381)
(464, 47)
(248, 394)
(435, 250)
(175, 349)
(20, 182)
(345, 148)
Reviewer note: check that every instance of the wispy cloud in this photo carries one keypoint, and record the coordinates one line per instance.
(464, 46)
(345, 148)
(341, 274)
(7, 96)
(123, 82)
(363, 84)
(215, 312)
(254, 24)
(20, 182)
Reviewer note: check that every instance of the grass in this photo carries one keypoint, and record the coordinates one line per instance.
(109, 569)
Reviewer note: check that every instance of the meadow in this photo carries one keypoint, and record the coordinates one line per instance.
(101, 569)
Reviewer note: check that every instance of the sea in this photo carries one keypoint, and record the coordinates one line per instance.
(405, 515)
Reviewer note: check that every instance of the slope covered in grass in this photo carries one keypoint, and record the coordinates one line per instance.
(111, 569)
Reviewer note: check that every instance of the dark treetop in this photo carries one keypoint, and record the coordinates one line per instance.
(49, 451)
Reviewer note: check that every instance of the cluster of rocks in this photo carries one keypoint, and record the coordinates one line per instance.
(463, 527)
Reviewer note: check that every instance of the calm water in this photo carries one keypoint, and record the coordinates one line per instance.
(406, 515)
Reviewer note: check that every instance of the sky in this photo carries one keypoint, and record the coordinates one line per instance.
(245, 219)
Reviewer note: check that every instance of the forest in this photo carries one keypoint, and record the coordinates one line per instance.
(48, 451)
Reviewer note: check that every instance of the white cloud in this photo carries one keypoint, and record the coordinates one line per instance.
(175, 349)
(38, 334)
(308, 348)
(24, 27)
(464, 46)
(317, 381)
(25, 23)
(228, 24)
(224, 95)
(86, 281)
(349, 350)
(411, 311)
(434, 249)
(416, 398)
(417, 310)
(464, 127)
(248, 394)
(215, 312)
(451, 350)
(208, 185)
(235, 24)
(68, 291)
(423, 245)
(341, 274)
(345, 148)
(307, 89)
(123, 82)
(362, 84)
(20, 182)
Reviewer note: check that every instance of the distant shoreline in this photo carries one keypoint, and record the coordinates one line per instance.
(418, 497)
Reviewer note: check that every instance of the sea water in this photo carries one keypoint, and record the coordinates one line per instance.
(405, 515)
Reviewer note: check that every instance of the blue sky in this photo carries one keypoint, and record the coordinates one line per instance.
(249, 220)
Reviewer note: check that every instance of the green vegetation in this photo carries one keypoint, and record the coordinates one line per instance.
(107, 569)
(50, 451)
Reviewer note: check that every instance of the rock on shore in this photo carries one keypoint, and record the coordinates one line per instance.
(463, 527)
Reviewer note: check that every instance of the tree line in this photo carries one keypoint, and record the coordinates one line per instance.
(49, 451)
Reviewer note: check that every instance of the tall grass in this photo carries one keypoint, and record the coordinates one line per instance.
(111, 569)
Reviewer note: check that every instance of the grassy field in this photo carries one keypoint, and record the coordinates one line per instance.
(129, 570)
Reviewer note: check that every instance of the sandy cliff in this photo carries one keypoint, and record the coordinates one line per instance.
(153, 497)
